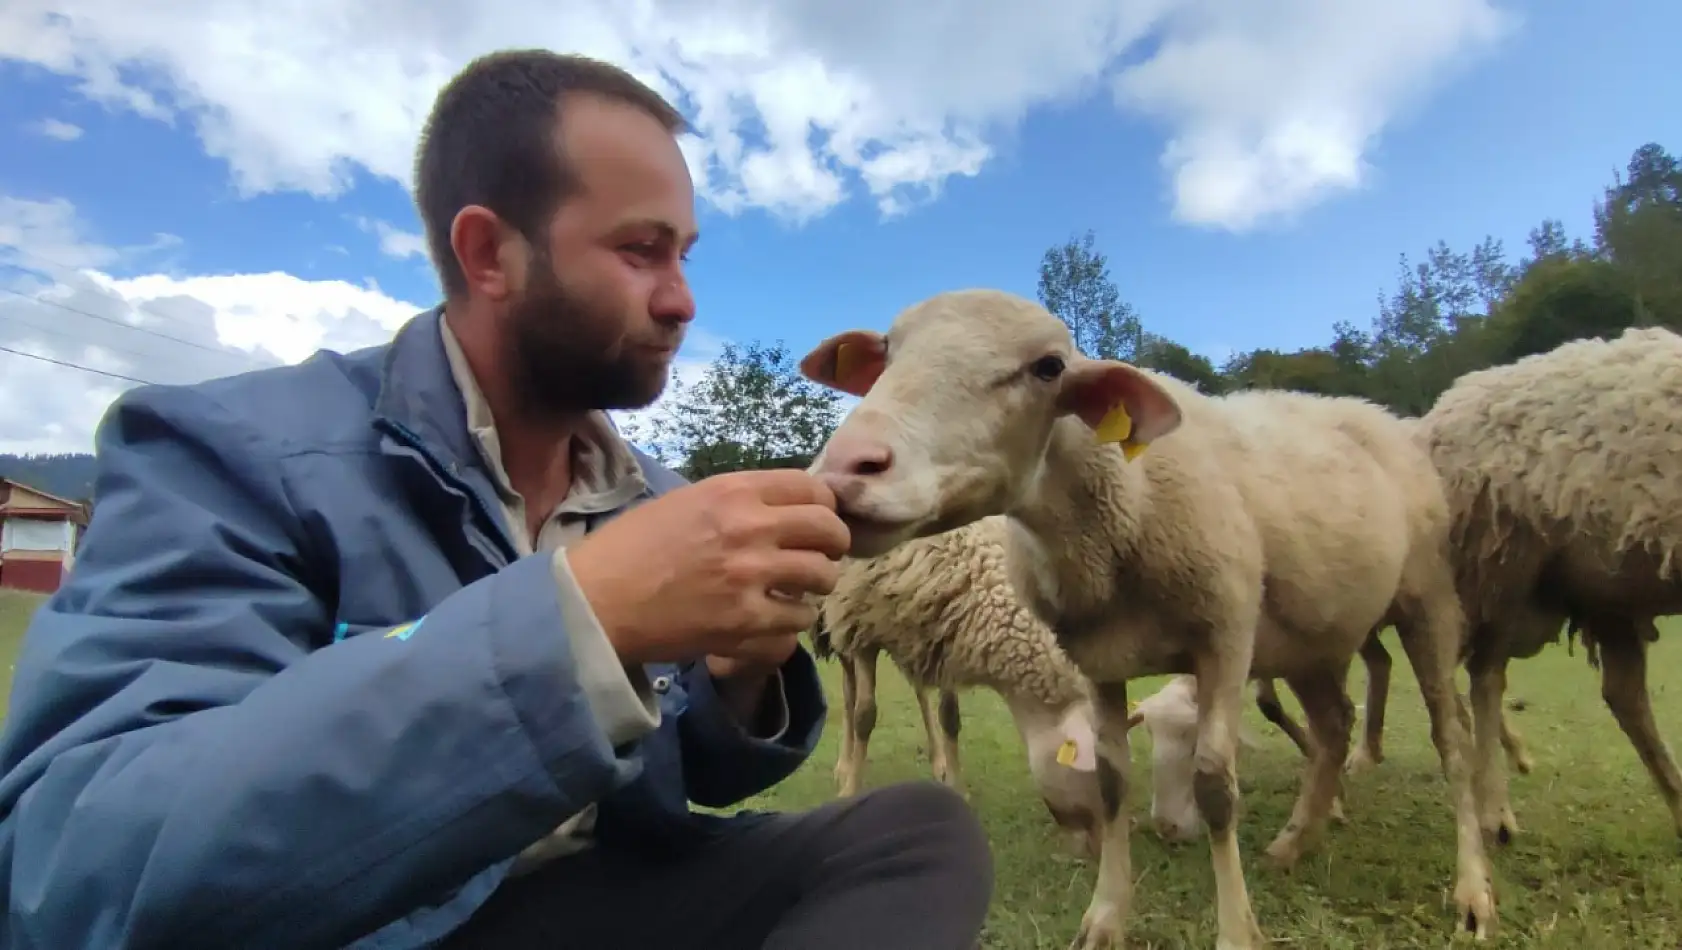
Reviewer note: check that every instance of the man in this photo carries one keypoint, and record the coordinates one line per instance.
(407, 648)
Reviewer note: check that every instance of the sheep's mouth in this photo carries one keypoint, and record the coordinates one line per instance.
(873, 535)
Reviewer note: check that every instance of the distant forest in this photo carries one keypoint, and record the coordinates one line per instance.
(68, 475)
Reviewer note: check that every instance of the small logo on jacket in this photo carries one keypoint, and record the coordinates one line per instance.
(404, 631)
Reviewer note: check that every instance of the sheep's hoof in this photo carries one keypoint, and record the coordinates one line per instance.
(1477, 912)
(1501, 827)
(1100, 928)
(1252, 941)
(1362, 759)
(1283, 853)
(1522, 763)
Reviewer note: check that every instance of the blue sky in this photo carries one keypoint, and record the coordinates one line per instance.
(1530, 124)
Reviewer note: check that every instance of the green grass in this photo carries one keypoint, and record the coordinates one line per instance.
(1597, 865)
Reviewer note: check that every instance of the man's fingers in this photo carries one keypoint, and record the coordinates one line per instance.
(793, 574)
(789, 486)
(811, 528)
(778, 616)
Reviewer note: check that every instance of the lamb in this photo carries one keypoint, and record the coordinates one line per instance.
(1264, 534)
(945, 613)
(1564, 497)
(1170, 716)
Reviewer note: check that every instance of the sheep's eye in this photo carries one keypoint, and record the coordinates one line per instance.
(1047, 367)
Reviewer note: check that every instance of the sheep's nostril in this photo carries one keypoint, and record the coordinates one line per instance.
(871, 466)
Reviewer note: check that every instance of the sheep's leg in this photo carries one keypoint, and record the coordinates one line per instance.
(1489, 684)
(1104, 925)
(1220, 701)
(1623, 684)
(849, 703)
(1431, 639)
(1370, 750)
(1267, 700)
(951, 723)
(1331, 717)
(1518, 756)
(851, 769)
(943, 743)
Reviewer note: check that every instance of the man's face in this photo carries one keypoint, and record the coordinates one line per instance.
(605, 305)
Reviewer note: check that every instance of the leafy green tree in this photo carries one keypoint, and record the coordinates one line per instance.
(1563, 298)
(751, 410)
(1638, 227)
(1166, 356)
(1075, 285)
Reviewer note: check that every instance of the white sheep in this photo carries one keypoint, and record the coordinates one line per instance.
(1567, 508)
(1262, 534)
(943, 610)
(1170, 716)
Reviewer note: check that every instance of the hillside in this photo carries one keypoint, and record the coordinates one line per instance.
(68, 475)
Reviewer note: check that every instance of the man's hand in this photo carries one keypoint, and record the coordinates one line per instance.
(759, 657)
(714, 567)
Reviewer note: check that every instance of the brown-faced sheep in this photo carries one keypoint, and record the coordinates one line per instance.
(943, 610)
(1262, 534)
(1561, 473)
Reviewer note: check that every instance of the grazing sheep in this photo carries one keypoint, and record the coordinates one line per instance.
(1264, 534)
(1170, 716)
(1567, 508)
(943, 610)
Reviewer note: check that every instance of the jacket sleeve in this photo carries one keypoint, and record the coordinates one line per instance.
(181, 769)
(724, 761)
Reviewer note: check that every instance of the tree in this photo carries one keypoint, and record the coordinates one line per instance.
(1075, 285)
(1638, 227)
(1562, 299)
(1166, 356)
(751, 410)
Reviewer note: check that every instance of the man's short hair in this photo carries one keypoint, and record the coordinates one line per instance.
(491, 140)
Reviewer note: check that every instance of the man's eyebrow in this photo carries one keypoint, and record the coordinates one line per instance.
(665, 230)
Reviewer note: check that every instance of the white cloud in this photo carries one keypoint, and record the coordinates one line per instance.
(57, 129)
(1269, 105)
(394, 241)
(58, 306)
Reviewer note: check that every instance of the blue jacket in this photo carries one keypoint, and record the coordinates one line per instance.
(193, 758)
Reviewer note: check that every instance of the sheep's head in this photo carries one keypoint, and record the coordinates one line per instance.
(1170, 715)
(957, 404)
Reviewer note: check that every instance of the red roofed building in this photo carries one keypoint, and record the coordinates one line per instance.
(38, 535)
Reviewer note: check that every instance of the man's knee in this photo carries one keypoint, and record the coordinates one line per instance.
(935, 820)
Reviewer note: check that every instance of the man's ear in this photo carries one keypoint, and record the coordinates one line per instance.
(850, 362)
(1120, 402)
(478, 238)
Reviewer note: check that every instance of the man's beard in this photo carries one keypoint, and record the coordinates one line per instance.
(558, 354)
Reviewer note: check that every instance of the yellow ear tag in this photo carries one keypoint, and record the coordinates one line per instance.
(1117, 426)
(1066, 753)
(846, 360)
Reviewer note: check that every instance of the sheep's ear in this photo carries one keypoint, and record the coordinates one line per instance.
(850, 362)
(1120, 402)
(1135, 718)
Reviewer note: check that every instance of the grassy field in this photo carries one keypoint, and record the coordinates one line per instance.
(1597, 865)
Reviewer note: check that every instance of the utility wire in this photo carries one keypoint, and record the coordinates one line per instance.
(70, 365)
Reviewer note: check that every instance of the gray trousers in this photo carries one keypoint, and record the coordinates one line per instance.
(905, 866)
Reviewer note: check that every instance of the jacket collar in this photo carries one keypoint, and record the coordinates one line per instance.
(418, 396)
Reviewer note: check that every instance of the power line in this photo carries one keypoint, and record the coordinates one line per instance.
(70, 365)
(125, 325)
